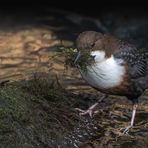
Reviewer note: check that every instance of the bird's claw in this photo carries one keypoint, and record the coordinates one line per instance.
(126, 130)
(90, 111)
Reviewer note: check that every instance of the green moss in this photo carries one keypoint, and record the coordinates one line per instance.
(40, 105)
(70, 55)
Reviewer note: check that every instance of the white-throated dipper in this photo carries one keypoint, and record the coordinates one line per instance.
(117, 68)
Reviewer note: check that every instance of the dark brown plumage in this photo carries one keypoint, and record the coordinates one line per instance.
(127, 64)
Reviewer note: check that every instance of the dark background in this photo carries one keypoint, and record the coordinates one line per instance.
(87, 7)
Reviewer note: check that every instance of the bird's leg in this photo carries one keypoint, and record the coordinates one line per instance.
(126, 130)
(91, 110)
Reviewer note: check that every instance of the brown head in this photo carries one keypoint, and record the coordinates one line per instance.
(89, 41)
(86, 41)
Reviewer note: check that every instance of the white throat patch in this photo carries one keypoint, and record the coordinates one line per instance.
(105, 72)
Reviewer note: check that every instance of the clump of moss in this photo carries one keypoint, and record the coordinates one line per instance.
(70, 55)
(86, 60)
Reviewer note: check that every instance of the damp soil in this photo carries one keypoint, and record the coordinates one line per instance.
(38, 95)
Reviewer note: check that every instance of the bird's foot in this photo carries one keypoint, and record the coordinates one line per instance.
(126, 130)
(90, 111)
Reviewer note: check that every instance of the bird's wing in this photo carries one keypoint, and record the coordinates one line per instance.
(135, 59)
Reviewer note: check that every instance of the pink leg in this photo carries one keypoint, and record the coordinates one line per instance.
(126, 130)
(91, 110)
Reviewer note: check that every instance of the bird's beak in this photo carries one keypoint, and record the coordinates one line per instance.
(77, 57)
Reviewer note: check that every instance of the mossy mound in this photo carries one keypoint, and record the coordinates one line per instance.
(35, 113)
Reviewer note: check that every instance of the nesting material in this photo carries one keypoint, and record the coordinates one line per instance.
(70, 55)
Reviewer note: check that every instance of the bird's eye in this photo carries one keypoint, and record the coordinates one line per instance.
(92, 44)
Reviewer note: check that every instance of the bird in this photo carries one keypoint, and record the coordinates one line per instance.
(116, 68)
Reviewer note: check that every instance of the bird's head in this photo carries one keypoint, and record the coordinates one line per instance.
(90, 43)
